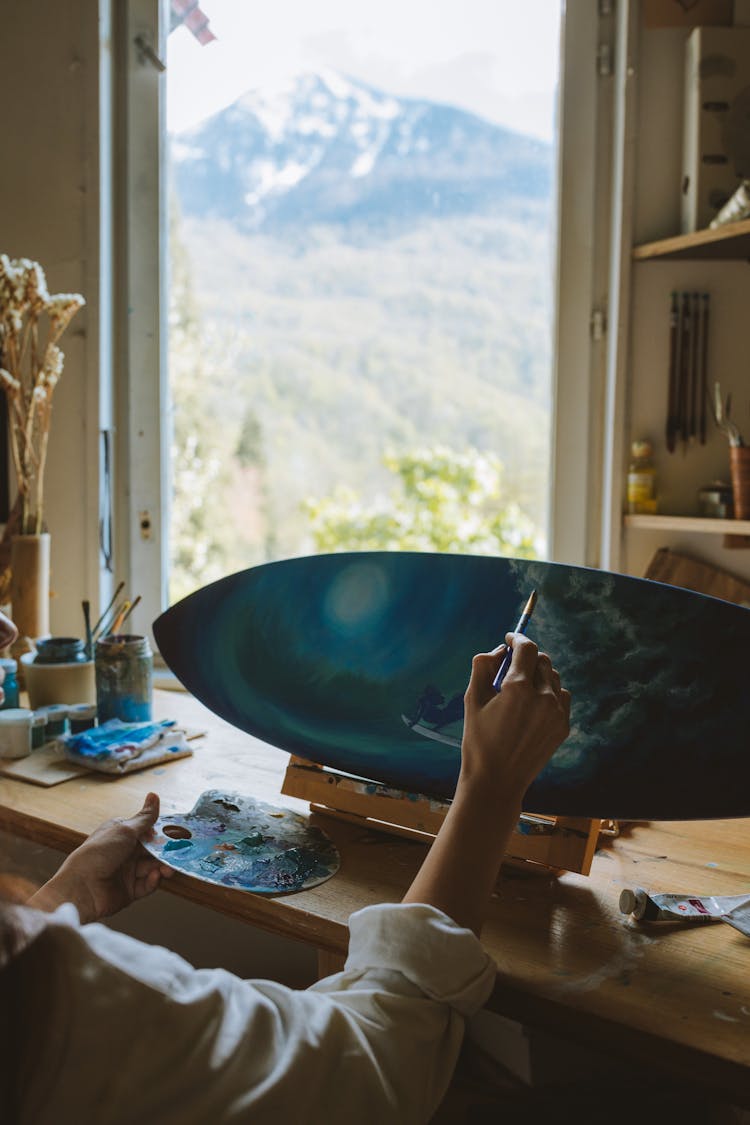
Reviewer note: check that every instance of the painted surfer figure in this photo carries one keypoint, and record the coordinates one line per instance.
(433, 709)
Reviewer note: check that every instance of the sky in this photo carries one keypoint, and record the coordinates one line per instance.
(497, 58)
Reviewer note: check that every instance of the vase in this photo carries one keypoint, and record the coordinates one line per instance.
(739, 464)
(29, 584)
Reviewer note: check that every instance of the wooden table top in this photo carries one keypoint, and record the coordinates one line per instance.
(568, 960)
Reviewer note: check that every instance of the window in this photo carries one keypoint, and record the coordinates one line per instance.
(362, 250)
(362, 225)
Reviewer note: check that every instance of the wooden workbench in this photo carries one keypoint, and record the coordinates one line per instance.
(568, 961)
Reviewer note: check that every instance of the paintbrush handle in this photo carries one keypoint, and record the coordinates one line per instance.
(672, 416)
(117, 623)
(704, 368)
(504, 668)
(127, 614)
(693, 427)
(112, 601)
(684, 367)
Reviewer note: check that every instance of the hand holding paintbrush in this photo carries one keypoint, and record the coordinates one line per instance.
(521, 627)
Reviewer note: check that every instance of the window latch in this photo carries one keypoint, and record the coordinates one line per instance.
(146, 53)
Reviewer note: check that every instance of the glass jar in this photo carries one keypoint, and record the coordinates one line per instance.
(57, 718)
(60, 650)
(124, 667)
(641, 478)
(10, 683)
(38, 730)
(81, 716)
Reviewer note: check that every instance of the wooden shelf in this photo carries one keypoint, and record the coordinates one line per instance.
(732, 241)
(699, 524)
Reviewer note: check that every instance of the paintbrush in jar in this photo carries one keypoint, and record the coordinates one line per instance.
(86, 604)
(95, 631)
(122, 614)
(127, 609)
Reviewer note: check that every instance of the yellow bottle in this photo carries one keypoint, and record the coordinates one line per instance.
(641, 478)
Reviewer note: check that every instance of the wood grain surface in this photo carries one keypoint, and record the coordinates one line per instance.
(568, 960)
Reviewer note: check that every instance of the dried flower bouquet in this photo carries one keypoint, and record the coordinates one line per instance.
(30, 366)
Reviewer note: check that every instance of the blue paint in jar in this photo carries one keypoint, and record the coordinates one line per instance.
(124, 667)
(57, 719)
(10, 683)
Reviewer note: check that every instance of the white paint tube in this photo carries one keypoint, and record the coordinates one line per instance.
(740, 918)
(675, 908)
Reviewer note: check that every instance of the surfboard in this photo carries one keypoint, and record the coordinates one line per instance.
(358, 661)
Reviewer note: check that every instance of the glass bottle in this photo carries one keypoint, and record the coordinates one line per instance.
(641, 478)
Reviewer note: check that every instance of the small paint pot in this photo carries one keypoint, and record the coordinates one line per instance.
(15, 732)
(10, 682)
(124, 678)
(81, 716)
(57, 719)
(38, 729)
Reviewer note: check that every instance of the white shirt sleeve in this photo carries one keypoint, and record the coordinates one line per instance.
(146, 1037)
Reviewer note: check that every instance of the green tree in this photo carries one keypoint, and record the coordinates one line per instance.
(443, 500)
(200, 521)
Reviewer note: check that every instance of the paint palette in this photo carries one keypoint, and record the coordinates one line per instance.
(359, 662)
(240, 842)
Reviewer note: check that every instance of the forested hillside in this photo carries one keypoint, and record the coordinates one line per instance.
(355, 275)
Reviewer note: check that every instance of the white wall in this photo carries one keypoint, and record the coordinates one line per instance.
(657, 215)
(49, 211)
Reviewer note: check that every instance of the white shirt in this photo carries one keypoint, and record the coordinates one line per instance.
(137, 1035)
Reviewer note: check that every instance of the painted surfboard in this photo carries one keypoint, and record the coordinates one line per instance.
(359, 662)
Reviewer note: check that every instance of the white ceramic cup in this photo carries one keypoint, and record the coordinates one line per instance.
(15, 732)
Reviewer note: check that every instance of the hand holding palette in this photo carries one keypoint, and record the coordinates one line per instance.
(240, 842)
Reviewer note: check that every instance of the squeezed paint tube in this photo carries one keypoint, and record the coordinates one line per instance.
(739, 918)
(675, 908)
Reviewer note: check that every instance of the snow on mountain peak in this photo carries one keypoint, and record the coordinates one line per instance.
(324, 147)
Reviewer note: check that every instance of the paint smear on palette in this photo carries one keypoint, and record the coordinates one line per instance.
(236, 841)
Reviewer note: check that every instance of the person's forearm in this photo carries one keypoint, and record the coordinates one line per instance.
(59, 889)
(460, 871)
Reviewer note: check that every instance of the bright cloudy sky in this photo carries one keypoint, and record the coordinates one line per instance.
(498, 58)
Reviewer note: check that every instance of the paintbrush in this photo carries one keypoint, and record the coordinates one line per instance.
(86, 604)
(108, 621)
(693, 426)
(684, 369)
(704, 368)
(672, 417)
(125, 614)
(521, 627)
(116, 594)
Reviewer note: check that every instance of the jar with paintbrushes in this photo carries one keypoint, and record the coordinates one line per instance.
(739, 453)
(124, 667)
(124, 678)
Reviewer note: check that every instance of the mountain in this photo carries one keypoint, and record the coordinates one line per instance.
(331, 150)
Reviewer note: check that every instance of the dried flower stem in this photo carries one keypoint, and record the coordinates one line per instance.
(30, 367)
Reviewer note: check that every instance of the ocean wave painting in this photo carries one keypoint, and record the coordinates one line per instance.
(359, 662)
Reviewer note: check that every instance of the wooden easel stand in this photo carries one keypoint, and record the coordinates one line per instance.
(557, 843)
